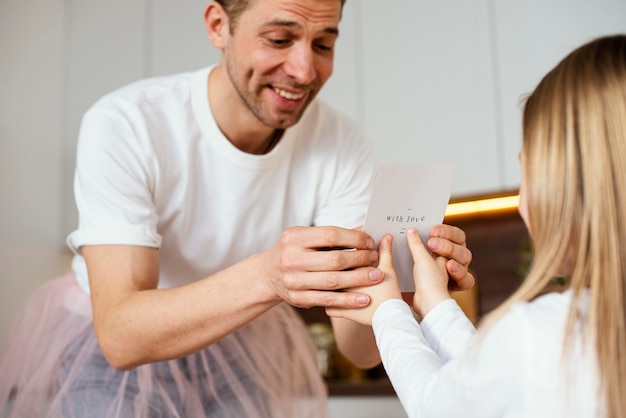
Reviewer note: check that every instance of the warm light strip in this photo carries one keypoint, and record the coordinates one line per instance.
(482, 205)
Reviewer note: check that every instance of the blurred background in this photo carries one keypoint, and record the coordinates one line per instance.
(429, 81)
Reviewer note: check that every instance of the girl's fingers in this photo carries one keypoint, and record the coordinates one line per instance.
(416, 245)
(384, 253)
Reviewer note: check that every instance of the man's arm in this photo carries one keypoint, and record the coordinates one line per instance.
(356, 342)
(136, 323)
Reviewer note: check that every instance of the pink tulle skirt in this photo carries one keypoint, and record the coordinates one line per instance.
(52, 366)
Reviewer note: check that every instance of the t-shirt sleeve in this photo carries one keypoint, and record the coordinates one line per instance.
(352, 170)
(114, 181)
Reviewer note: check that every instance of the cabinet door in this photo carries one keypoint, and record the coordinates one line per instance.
(531, 37)
(428, 90)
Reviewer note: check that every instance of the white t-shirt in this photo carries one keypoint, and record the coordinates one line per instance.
(153, 169)
(441, 368)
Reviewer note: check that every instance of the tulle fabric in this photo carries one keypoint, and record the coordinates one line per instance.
(52, 366)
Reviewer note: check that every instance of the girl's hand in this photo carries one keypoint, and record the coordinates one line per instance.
(429, 275)
(388, 288)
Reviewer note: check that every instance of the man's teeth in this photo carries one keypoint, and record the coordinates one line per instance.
(287, 95)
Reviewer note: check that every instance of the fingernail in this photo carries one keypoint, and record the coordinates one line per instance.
(412, 232)
(434, 244)
(375, 275)
(362, 300)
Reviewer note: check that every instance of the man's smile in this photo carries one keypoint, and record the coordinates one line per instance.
(288, 95)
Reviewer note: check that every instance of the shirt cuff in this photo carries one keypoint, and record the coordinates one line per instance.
(388, 309)
(439, 311)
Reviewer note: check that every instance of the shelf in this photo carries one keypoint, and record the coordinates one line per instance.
(368, 387)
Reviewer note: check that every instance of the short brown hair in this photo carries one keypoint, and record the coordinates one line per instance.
(234, 9)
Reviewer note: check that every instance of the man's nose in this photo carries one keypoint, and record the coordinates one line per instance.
(300, 64)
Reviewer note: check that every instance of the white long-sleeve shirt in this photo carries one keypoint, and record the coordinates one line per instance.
(443, 368)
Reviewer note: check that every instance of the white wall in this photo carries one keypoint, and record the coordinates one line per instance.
(429, 81)
(529, 38)
(33, 91)
(428, 87)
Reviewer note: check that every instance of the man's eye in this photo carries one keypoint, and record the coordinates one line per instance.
(324, 47)
(279, 42)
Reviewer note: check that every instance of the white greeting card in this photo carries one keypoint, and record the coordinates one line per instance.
(405, 196)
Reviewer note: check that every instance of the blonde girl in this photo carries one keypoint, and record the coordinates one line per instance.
(545, 352)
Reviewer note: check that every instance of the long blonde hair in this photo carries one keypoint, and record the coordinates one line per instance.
(574, 147)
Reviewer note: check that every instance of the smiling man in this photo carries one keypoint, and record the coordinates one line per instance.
(205, 199)
(276, 62)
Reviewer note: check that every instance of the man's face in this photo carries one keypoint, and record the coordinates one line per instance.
(280, 55)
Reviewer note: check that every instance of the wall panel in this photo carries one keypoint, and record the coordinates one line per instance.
(428, 86)
(532, 36)
(106, 49)
(32, 104)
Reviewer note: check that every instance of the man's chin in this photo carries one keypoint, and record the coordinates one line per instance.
(284, 121)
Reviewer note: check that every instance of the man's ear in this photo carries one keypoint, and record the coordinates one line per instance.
(216, 22)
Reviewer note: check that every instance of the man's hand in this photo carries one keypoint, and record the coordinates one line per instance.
(311, 266)
(449, 242)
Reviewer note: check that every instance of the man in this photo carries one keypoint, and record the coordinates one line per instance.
(206, 201)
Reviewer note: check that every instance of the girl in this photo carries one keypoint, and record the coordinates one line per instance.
(540, 354)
